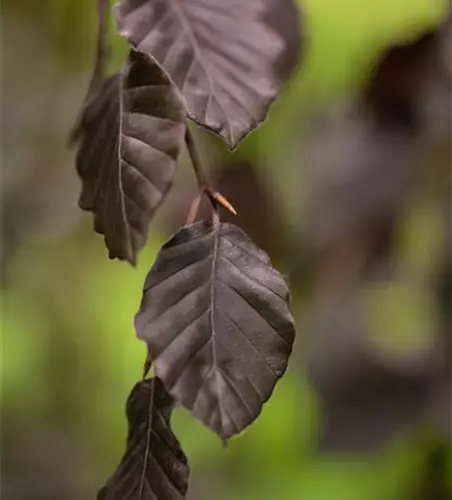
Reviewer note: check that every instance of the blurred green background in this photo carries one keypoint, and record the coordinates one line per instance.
(69, 352)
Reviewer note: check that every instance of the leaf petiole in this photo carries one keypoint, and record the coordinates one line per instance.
(215, 197)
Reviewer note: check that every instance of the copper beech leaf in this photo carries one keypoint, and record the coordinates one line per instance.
(128, 142)
(215, 316)
(153, 467)
(222, 54)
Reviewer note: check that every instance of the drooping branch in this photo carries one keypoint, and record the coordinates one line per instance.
(215, 197)
(195, 159)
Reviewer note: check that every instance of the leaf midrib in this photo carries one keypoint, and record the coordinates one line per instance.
(119, 160)
(179, 14)
(216, 238)
(148, 438)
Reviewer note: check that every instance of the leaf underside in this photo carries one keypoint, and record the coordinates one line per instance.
(154, 466)
(215, 316)
(223, 56)
(129, 138)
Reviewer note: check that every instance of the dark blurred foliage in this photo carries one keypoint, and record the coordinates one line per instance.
(286, 21)
(371, 159)
(399, 149)
(347, 187)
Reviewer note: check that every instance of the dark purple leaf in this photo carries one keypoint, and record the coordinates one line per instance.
(367, 399)
(215, 316)
(361, 177)
(128, 143)
(154, 467)
(391, 96)
(284, 17)
(223, 55)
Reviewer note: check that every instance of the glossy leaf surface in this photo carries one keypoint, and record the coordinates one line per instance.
(129, 140)
(215, 315)
(223, 55)
(154, 466)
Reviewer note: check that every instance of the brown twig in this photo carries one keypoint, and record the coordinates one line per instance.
(215, 197)
(147, 365)
(195, 159)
